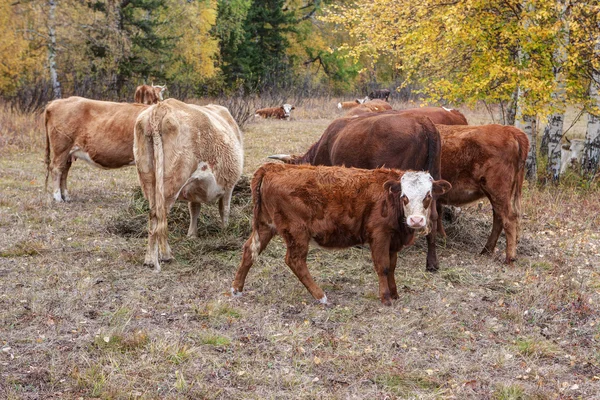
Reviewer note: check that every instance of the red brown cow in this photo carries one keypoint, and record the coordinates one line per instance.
(338, 207)
(282, 112)
(486, 161)
(98, 132)
(147, 94)
(439, 115)
(374, 140)
(372, 106)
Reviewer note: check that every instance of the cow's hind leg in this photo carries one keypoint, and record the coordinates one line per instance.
(60, 163)
(63, 180)
(225, 206)
(494, 235)
(194, 213)
(256, 243)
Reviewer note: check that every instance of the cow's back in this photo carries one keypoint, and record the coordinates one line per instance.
(439, 115)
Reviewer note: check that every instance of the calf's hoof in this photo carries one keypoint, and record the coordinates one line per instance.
(236, 293)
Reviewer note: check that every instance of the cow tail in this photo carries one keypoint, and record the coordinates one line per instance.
(434, 149)
(523, 146)
(155, 121)
(47, 156)
(257, 181)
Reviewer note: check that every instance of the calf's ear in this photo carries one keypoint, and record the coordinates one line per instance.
(293, 107)
(440, 187)
(394, 187)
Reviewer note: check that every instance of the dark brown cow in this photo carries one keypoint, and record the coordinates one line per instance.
(486, 161)
(98, 132)
(372, 106)
(282, 112)
(147, 94)
(374, 140)
(380, 94)
(439, 115)
(338, 207)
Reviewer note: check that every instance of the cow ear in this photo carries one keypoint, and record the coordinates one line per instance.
(393, 187)
(293, 107)
(440, 187)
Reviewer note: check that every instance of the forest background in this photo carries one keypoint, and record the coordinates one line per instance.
(528, 59)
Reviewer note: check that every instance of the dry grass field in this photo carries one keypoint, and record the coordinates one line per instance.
(80, 317)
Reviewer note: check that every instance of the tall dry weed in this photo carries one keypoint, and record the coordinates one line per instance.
(20, 131)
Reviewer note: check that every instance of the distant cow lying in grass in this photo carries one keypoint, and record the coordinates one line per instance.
(369, 107)
(147, 94)
(346, 105)
(185, 152)
(338, 207)
(282, 112)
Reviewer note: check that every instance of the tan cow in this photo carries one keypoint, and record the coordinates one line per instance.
(98, 132)
(149, 94)
(369, 107)
(185, 152)
(346, 105)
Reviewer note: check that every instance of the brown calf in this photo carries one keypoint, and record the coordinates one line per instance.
(373, 106)
(147, 94)
(373, 140)
(282, 112)
(486, 161)
(338, 207)
(98, 132)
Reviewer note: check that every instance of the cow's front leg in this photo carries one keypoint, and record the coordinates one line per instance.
(380, 253)
(391, 277)
(432, 260)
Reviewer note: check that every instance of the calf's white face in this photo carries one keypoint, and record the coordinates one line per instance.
(418, 189)
(287, 108)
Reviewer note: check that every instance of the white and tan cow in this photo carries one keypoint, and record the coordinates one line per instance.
(149, 94)
(185, 152)
(571, 153)
(98, 132)
(345, 105)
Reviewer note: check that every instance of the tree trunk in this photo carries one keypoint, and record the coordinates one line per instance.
(52, 49)
(554, 129)
(592, 135)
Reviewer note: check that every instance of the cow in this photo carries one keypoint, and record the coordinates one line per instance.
(402, 141)
(147, 94)
(372, 106)
(439, 115)
(185, 152)
(98, 132)
(282, 112)
(486, 161)
(338, 207)
(571, 153)
(380, 94)
(345, 105)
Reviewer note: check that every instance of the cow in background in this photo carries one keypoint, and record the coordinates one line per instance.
(380, 94)
(149, 94)
(486, 161)
(571, 153)
(345, 105)
(439, 115)
(282, 112)
(338, 207)
(186, 152)
(372, 106)
(98, 132)
(373, 140)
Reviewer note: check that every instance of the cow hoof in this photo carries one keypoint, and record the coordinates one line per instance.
(386, 302)
(394, 295)
(166, 259)
(432, 268)
(235, 293)
(323, 300)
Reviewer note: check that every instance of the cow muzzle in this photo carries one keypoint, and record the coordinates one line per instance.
(417, 222)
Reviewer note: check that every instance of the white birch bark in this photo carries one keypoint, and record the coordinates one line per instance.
(52, 49)
(554, 129)
(592, 135)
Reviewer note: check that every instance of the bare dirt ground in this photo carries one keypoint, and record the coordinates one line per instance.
(80, 317)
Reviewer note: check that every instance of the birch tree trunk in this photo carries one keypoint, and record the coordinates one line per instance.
(592, 135)
(554, 129)
(52, 49)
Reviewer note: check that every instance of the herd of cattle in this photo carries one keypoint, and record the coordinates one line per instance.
(376, 176)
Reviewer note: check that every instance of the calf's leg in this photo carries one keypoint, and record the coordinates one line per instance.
(380, 253)
(432, 264)
(391, 277)
(256, 243)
